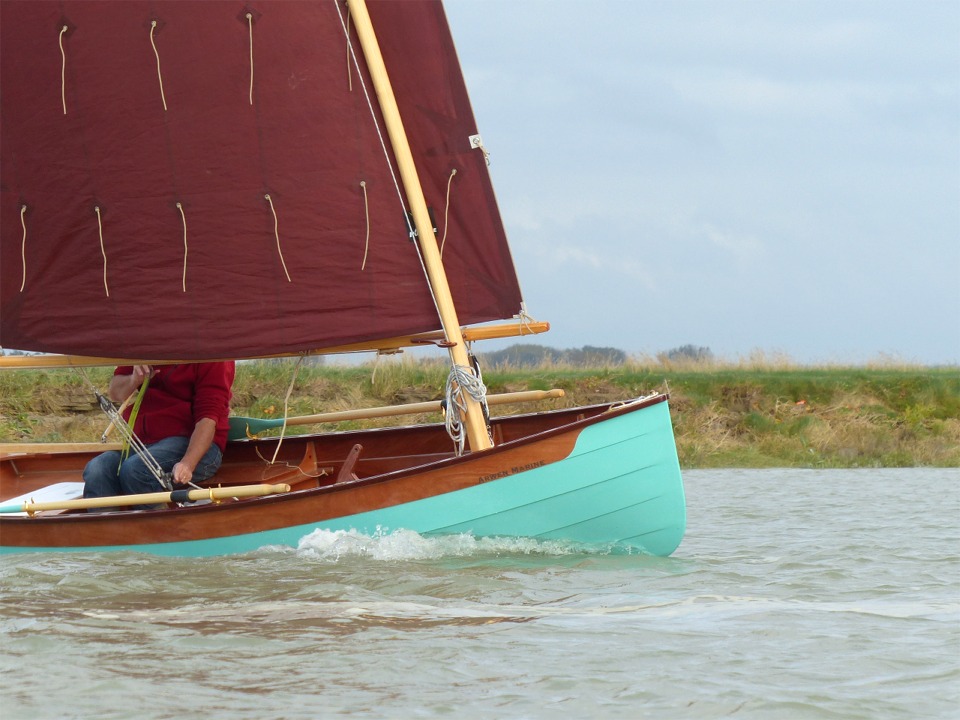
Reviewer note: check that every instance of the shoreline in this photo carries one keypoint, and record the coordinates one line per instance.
(724, 416)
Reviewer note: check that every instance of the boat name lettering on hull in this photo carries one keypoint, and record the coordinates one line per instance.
(512, 471)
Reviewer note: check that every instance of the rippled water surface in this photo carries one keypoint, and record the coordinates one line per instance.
(795, 594)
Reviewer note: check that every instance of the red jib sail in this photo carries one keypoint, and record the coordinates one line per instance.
(209, 179)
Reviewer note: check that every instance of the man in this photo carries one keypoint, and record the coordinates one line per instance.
(182, 419)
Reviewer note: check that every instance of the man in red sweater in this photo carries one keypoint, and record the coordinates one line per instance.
(182, 420)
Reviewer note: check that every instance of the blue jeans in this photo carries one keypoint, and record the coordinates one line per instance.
(105, 475)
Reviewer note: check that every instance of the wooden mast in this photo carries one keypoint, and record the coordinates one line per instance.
(475, 424)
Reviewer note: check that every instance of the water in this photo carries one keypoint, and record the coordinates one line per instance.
(796, 594)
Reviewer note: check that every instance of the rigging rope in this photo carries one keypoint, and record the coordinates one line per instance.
(153, 26)
(63, 70)
(276, 234)
(183, 219)
(127, 436)
(286, 408)
(102, 250)
(23, 246)
(466, 381)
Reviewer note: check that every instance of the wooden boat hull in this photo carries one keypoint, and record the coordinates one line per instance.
(599, 476)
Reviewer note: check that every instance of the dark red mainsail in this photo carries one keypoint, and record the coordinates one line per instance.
(112, 204)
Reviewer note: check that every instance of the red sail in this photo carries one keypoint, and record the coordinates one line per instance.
(134, 230)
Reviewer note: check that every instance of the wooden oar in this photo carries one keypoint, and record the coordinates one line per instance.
(149, 498)
(241, 427)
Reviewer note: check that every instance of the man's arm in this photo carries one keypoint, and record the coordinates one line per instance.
(122, 386)
(200, 442)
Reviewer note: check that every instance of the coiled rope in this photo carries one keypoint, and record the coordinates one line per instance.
(459, 380)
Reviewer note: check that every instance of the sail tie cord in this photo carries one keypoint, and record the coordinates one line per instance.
(23, 246)
(446, 211)
(153, 26)
(102, 250)
(459, 380)
(250, 24)
(366, 212)
(276, 234)
(63, 70)
(183, 219)
(525, 319)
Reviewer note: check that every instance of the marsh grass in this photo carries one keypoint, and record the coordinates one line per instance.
(759, 412)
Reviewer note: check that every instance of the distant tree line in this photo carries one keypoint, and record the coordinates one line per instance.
(536, 355)
(524, 356)
(687, 352)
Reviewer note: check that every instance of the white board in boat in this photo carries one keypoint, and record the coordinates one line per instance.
(51, 493)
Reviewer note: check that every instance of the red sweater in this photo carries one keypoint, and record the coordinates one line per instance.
(179, 396)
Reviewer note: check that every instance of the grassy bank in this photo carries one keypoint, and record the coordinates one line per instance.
(724, 416)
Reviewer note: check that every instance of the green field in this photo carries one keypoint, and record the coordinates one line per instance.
(742, 415)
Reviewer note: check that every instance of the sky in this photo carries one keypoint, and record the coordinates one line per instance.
(779, 178)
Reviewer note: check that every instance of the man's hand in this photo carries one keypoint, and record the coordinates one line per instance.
(182, 473)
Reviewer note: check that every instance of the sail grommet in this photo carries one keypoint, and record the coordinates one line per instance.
(476, 143)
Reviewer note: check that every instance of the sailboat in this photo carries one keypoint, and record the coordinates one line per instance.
(222, 180)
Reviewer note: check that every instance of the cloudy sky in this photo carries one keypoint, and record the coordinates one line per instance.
(741, 175)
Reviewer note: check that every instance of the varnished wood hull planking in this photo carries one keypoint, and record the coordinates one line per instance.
(594, 475)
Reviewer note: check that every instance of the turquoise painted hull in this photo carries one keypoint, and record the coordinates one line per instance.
(620, 487)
